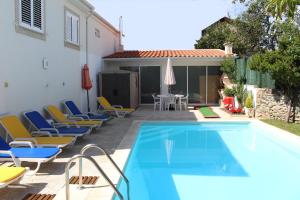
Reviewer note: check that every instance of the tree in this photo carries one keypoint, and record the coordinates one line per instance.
(280, 8)
(251, 32)
(215, 38)
(284, 63)
(220, 34)
(257, 23)
(228, 66)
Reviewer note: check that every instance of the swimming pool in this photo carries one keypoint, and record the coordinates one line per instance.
(211, 161)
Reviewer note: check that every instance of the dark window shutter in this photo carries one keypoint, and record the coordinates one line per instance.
(26, 12)
(37, 14)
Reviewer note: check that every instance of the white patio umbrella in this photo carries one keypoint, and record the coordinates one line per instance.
(169, 149)
(169, 77)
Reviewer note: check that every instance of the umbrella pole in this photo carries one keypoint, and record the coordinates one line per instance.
(169, 89)
(88, 100)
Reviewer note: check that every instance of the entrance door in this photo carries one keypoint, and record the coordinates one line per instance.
(197, 84)
(150, 83)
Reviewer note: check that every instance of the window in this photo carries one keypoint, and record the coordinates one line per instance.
(72, 28)
(32, 15)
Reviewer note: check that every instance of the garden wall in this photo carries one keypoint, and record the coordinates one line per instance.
(272, 104)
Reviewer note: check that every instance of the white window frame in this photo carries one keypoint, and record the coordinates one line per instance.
(76, 17)
(31, 26)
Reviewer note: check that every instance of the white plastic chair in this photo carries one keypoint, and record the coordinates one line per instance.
(171, 100)
(156, 102)
(184, 102)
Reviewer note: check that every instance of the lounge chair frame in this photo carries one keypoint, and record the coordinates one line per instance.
(82, 116)
(18, 161)
(113, 110)
(34, 141)
(55, 129)
(71, 119)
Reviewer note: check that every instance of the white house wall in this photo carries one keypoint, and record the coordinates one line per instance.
(107, 44)
(29, 85)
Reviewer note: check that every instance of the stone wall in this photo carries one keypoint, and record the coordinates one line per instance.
(272, 104)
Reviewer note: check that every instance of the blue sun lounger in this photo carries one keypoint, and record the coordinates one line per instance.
(41, 124)
(74, 111)
(27, 154)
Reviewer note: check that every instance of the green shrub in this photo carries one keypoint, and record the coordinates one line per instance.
(229, 92)
(240, 93)
(249, 101)
(228, 66)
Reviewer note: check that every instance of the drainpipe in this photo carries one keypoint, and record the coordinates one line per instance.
(87, 37)
(87, 52)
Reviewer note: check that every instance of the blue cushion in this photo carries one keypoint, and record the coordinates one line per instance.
(100, 116)
(32, 152)
(38, 120)
(64, 130)
(3, 145)
(83, 116)
(73, 108)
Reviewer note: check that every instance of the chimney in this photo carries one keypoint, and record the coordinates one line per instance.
(228, 49)
(121, 46)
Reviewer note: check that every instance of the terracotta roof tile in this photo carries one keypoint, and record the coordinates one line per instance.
(198, 53)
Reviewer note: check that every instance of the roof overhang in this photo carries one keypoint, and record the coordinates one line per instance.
(165, 58)
(164, 54)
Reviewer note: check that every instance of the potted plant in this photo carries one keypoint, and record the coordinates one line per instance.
(249, 108)
(229, 92)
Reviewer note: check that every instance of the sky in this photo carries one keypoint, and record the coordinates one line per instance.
(163, 24)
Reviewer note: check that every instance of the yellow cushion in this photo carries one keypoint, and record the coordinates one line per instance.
(84, 123)
(125, 109)
(56, 114)
(103, 102)
(107, 106)
(15, 127)
(120, 109)
(54, 140)
(10, 173)
(60, 117)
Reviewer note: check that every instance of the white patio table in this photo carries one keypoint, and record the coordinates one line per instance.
(164, 98)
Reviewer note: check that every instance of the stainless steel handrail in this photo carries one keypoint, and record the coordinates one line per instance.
(89, 146)
(79, 156)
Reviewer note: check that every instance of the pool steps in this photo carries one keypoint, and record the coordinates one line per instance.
(80, 192)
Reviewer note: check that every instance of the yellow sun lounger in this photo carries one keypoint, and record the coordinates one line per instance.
(60, 117)
(9, 175)
(18, 132)
(116, 110)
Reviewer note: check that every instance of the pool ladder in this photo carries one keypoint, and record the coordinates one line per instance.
(92, 160)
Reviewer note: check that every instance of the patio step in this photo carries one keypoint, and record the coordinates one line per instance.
(7, 164)
(75, 193)
(39, 197)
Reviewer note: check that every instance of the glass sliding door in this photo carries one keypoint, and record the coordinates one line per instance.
(201, 83)
(213, 84)
(197, 84)
(150, 83)
(180, 87)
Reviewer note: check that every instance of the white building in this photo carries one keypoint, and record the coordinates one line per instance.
(197, 72)
(43, 46)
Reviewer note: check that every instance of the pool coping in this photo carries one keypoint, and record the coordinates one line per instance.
(123, 150)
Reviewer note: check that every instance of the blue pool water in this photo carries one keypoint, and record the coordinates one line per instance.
(212, 161)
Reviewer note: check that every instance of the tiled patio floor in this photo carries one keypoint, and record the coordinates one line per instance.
(50, 179)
